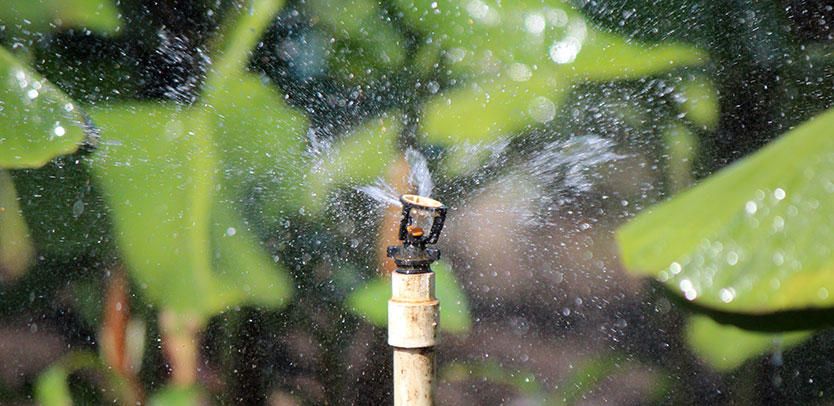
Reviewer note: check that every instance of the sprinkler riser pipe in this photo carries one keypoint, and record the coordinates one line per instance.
(413, 311)
(413, 316)
(413, 376)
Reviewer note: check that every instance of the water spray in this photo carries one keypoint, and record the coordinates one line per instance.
(413, 311)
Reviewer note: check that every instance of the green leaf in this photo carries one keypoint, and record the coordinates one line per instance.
(175, 219)
(51, 388)
(37, 121)
(368, 44)
(16, 250)
(495, 373)
(176, 396)
(681, 147)
(241, 33)
(359, 157)
(700, 102)
(185, 246)
(371, 301)
(262, 142)
(491, 108)
(101, 16)
(726, 347)
(512, 54)
(454, 305)
(753, 238)
(241, 261)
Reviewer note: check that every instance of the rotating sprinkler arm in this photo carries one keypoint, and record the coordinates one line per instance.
(413, 311)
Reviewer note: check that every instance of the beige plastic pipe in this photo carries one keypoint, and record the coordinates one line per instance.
(413, 314)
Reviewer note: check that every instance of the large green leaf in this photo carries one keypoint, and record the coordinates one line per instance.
(182, 243)
(754, 238)
(726, 347)
(176, 220)
(520, 58)
(26, 16)
(37, 121)
(262, 143)
(371, 301)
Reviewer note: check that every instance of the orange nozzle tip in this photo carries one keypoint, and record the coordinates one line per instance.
(415, 231)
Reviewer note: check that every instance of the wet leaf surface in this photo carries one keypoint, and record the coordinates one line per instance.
(764, 246)
(37, 121)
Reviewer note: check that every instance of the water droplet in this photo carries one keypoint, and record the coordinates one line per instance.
(675, 268)
(751, 207)
(565, 51)
(779, 194)
(542, 109)
(535, 23)
(778, 223)
(77, 208)
(688, 289)
(732, 258)
(727, 294)
(59, 131)
(231, 231)
(520, 72)
(822, 293)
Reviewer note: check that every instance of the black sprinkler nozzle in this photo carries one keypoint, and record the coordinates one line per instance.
(413, 256)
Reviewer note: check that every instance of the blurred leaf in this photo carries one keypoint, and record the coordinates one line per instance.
(262, 143)
(184, 247)
(51, 388)
(700, 102)
(182, 240)
(241, 261)
(367, 40)
(37, 121)
(176, 396)
(681, 149)
(371, 301)
(486, 110)
(494, 373)
(520, 58)
(726, 347)
(585, 378)
(16, 249)
(753, 238)
(454, 305)
(359, 157)
(101, 16)
(239, 35)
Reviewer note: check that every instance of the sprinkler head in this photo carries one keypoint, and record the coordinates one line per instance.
(420, 213)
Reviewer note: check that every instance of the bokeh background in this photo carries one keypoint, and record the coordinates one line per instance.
(180, 219)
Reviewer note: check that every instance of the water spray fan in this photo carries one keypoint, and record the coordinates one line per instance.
(413, 311)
